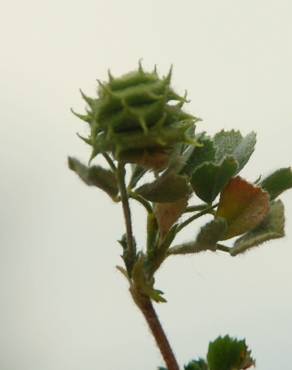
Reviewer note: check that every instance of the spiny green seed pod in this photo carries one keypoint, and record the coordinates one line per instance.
(138, 118)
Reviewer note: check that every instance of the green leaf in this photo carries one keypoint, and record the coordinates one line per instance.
(210, 178)
(216, 161)
(277, 182)
(243, 205)
(271, 228)
(195, 156)
(227, 353)
(224, 144)
(95, 176)
(196, 365)
(206, 239)
(234, 144)
(167, 188)
(211, 233)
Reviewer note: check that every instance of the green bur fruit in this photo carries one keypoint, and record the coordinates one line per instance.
(138, 118)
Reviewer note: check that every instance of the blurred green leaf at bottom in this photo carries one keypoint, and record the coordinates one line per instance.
(227, 353)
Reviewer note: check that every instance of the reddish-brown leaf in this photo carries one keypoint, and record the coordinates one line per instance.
(168, 213)
(243, 205)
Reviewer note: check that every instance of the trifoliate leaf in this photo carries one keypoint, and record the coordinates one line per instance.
(168, 213)
(227, 353)
(271, 228)
(277, 182)
(167, 188)
(196, 365)
(243, 205)
(206, 239)
(212, 164)
(210, 178)
(95, 176)
(234, 144)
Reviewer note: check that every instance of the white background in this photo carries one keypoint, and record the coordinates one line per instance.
(63, 306)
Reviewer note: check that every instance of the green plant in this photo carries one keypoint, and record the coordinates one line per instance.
(137, 123)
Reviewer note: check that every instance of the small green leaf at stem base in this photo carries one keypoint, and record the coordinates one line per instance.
(144, 285)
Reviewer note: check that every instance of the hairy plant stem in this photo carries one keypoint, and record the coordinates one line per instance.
(223, 248)
(110, 161)
(146, 307)
(196, 208)
(142, 301)
(141, 200)
(131, 247)
(195, 216)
